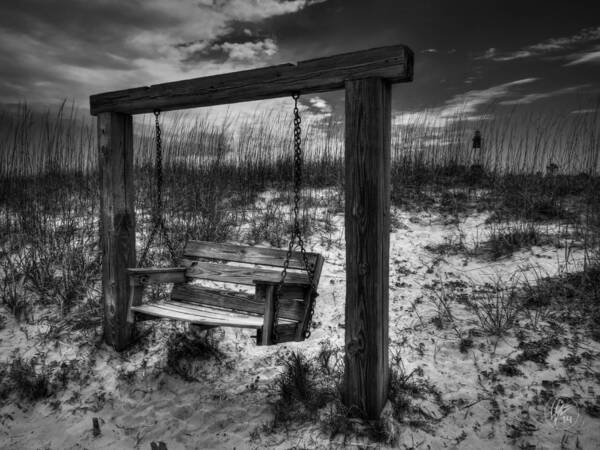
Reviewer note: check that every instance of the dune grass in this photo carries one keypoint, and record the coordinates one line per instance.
(530, 171)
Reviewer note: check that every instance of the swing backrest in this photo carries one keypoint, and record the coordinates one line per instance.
(246, 265)
(231, 253)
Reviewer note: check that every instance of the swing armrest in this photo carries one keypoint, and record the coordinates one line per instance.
(157, 275)
(291, 280)
(139, 278)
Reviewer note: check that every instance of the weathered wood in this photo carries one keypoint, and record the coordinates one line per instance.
(239, 274)
(245, 254)
(267, 293)
(309, 297)
(286, 332)
(394, 63)
(117, 215)
(368, 124)
(170, 310)
(213, 311)
(136, 292)
(157, 275)
(209, 311)
(237, 301)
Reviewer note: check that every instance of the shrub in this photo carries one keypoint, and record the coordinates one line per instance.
(35, 379)
(504, 240)
(12, 287)
(301, 388)
(496, 307)
(183, 348)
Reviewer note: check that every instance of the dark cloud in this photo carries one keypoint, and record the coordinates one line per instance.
(90, 27)
(52, 49)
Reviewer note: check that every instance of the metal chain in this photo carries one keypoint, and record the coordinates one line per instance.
(296, 230)
(158, 221)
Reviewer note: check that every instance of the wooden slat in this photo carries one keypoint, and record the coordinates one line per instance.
(117, 214)
(190, 315)
(158, 275)
(394, 63)
(154, 270)
(136, 292)
(212, 311)
(237, 301)
(267, 294)
(367, 152)
(240, 275)
(245, 254)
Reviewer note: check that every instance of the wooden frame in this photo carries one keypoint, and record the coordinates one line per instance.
(366, 76)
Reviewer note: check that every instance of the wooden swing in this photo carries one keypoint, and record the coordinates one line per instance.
(283, 302)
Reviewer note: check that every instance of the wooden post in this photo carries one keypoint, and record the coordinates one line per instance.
(268, 293)
(368, 128)
(117, 215)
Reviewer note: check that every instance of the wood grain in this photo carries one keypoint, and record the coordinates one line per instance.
(239, 274)
(245, 254)
(267, 294)
(368, 123)
(157, 275)
(308, 298)
(170, 311)
(236, 301)
(213, 311)
(117, 218)
(394, 63)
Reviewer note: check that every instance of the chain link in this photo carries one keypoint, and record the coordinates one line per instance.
(158, 221)
(296, 230)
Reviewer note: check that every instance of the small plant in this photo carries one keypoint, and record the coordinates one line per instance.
(269, 226)
(407, 391)
(496, 308)
(12, 288)
(301, 389)
(537, 300)
(509, 368)
(504, 240)
(35, 379)
(330, 359)
(450, 246)
(537, 351)
(443, 299)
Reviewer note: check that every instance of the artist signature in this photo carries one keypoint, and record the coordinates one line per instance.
(563, 413)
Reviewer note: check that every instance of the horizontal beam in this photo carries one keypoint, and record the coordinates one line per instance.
(393, 63)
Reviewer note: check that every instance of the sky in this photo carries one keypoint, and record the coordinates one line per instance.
(470, 56)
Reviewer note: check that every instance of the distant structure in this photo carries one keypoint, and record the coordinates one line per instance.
(551, 169)
(476, 161)
(477, 140)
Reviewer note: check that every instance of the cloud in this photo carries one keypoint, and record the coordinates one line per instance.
(530, 98)
(464, 106)
(318, 106)
(468, 102)
(429, 50)
(586, 111)
(247, 51)
(552, 45)
(590, 57)
(55, 49)
(255, 10)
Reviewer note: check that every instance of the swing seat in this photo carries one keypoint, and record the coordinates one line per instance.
(230, 264)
